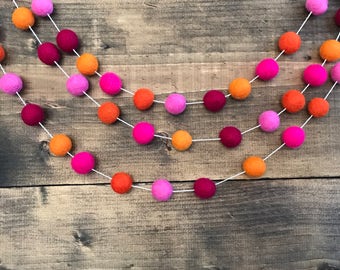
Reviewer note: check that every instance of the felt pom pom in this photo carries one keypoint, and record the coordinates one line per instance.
(315, 75)
(32, 114)
(318, 107)
(337, 17)
(335, 72)
(317, 7)
(269, 121)
(108, 112)
(289, 42)
(110, 83)
(254, 166)
(175, 104)
(10, 83)
(48, 53)
(77, 84)
(2, 54)
(143, 132)
(60, 145)
(293, 137)
(83, 162)
(267, 69)
(330, 50)
(143, 98)
(161, 190)
(87, 64)
(240, 88)
(23, 18)
(67, 40)
(42, 8)
(214, 100)
(204, 188)
(230, 136)
(293, 101)
(121, 182)
(181, 140)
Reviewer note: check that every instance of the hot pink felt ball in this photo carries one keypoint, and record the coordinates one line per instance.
(214, 100)
(110, 83)
(317, 7)
(42, 8)
(67, 40)
(335, 72)
(161, 190)
(77, 84)
(267, 69)
(293, 136)
(10, 83)
(204, 188)
(337, 17)
(48, 53)
(230, 136)
(83, 162)
(175, 103)
(143, 132)
(315, 75)
(32, 114)
(269, 121)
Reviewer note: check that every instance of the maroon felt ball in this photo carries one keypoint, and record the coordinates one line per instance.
(214, 100)
(204, 188)
(48, 53)
(32, 114)
(67, 40)
(337, 17)
(230, 136)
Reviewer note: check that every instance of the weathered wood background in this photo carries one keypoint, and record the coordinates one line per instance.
(51, 218)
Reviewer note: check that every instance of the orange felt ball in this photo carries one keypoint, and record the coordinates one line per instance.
(143, 99)
(60, 145)
(293, 101)
(23, 18)
(290, 42)
(181, 140)
(318, 107)
(87, 64)
(108, 112)
(254, 166)
(121, 182)
(330, 50)
(240, 88)
(2, 54)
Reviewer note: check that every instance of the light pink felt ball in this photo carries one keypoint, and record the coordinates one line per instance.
(77, 84)
(10, 83)
(293, 137)
(335, 72)
(317, 7)
(83, 162)
(161, 190)
(175, 104)
(143, 132)
(110, 83)
(269, 121)
(42, 8)
(267, 69)
(315, 75)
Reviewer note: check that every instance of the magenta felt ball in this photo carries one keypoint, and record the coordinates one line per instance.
(317, 7)
(32, 114)
(161, 190)
(42, 8)
(48, 53)
(83, 162)
(267, 69)
(204, 188)
(77, 84)
(143, 132)
(335, 72)
(230, 136)
(175, 104)
(214, 100)
(337, 17)
(67, 40)
(110, 83)
(269, 121)
(315, 75)
(10, 83)
(293, 136)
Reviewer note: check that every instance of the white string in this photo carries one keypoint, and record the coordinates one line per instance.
(62, 70)
(21, 99)
(206, 140)
(330, 90)
(54, 24)
(91, 98)
(250, 129)
(277, 57)
(102, 174)
(183, 191)
(124, 122)
(2, 69)
(254, 79)
(46, 130)
(306, 122)
(304, 89)
(304, 22)
(162, 137)
(127, 91)
(15, 3)
(229, 178)
(272, 153)
(35, 35)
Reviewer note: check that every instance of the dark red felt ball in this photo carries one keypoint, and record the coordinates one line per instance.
(48, 53)
(32, 114)
(67, 40)
(204, 188)
(337, 17)
(230, 136)
(214, 100)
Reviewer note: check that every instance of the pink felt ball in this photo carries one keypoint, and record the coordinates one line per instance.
(161, 190)
(42, 8)
(335, 72)
(77, 84)
(10, 83)
(67, 40)
(317, 7)
(110, 83)
(48, 53)
(230, 136)
(337, 17)
(267, 69)
(293, 136)
(175, 104)
(204, 188)
(315, 75)
(269, 121)
(83, 162)
(214, 100)
(143, 132)
(32, 114)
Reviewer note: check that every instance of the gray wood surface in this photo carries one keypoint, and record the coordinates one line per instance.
(51, 218)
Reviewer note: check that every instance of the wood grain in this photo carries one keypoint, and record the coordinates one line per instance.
(51, 218)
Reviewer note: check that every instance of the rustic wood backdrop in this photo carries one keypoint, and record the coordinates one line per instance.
(51, 218)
